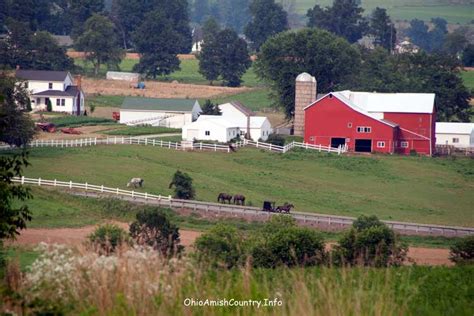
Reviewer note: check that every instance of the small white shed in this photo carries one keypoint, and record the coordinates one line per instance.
(174, 113)
(210, 128)
(236, 113)
(455, 134)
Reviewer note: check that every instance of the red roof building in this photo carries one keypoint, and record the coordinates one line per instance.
(373, 122)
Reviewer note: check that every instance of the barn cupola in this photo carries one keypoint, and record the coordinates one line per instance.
(305, 94)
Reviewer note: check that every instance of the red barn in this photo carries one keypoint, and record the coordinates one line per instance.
(373, 122)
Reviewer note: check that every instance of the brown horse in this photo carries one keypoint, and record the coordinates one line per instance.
(285, 208)
(239, 199)
(222, 197)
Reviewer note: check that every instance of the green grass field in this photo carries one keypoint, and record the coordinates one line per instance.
(189, 72)
(425, 190)
(75, 121)
(468, 78)
(406, 9)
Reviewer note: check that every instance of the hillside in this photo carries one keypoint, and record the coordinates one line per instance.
(414, 189)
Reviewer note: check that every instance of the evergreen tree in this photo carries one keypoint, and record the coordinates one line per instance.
(100, 43)
(234, 14)
(344, 19)
(183, 186)
(209, 55)
(268, 19)
(79, 11)
(382, 28)
(210, 108)
(159, 48)
(468, 56)
(201, 11)
(418, 33)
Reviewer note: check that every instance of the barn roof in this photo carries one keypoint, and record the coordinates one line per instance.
(392, 102)
(205, 120)
(240, 107)
(41, 75)
(155, 104)
(454, 128)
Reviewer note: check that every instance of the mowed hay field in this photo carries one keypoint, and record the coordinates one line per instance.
(425, 190)
(452, 11)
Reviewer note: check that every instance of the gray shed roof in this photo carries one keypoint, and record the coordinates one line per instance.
(155, 104)
(41, 75)
(71, 91)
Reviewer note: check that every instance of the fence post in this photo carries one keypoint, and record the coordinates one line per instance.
(215, 147)
(70, 184)
(81, 142)
(270, 147)
(95, 141)
(39, 181)
(133, 194)
(54, 182)
(153, 142)
(117, 191)
(200, 146)
(257, 143)
(319, 147)
(102, 188)
(115, 140)
(169, 144)
(146, 141)
(22, 179)
(86, 186)
(176, 145)
(146, 196)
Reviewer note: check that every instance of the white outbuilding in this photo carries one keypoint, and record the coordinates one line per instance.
(455, 134)
(210, 128)
(258, 127)
(174, 113)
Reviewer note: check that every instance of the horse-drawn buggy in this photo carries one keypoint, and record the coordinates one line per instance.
(270, 207)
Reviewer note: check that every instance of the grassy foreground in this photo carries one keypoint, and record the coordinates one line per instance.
(417, 189)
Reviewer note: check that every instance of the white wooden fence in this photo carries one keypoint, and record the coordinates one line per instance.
(309, 219)
(149, 141)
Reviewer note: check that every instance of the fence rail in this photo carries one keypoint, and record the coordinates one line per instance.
(311, 219)
(151, 141)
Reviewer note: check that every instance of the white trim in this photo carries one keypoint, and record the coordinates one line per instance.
(402, 143)
(381, 144)
(407, 130)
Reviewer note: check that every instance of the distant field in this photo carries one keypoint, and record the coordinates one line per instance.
(426, 190)
(468, 77)
(406, 9)
(189, 72)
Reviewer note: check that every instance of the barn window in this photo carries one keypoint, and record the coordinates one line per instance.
(360, 129)
(58, 102)
(404, 144)
(367, 129)
(380, 144)
(455, 140)
(349, 125)
(207, 133)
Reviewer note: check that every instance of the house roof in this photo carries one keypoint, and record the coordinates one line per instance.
(352, 105)
(240, 107)
(206, 120)
(41, 75)
(392, 102)
(454, 128)
(255, 121)
(71, 91)
(155, 104)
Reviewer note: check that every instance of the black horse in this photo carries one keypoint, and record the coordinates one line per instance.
(285, 208)
(239, 199)
(222, 197)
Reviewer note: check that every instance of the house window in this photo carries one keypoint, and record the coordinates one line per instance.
(38, 100)
(50, 85)
(63, 102)
(380, 144)
(26, 85)
(207, 133)
(349, 125)
(404, 144)
(455, 140)
(58, 102)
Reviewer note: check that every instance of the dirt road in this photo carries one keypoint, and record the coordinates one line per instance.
(76, 236)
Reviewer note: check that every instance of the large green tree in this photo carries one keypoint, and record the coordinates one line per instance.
(382, 29)
(79, 11)
(100, 43)
(234, 14)
(224, 55)
(468, 56)
(268, 19)
(159, 48)
(282, 58)
(344, 19)
(429, 40)
(47, 54)
(209, 56)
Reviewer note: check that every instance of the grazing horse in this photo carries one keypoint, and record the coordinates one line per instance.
(135, 182)
(285, 208)
(222, 197)
(239, 199)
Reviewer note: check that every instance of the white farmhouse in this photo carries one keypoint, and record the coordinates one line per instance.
(210, 128)
(174, 113)
(56, 87)
(258, 127)
(455, 134)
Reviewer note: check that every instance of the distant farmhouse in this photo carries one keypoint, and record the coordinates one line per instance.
(56, 87)
(236, 120)
(365, 121)
(174, 113)
(455, 134)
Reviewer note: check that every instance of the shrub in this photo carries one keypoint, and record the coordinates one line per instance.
(153, 228)
(371, 243)
(49, 106)
(462, 252)
(107, 238)
(221, 246)
(276, 139)
(183, 184)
